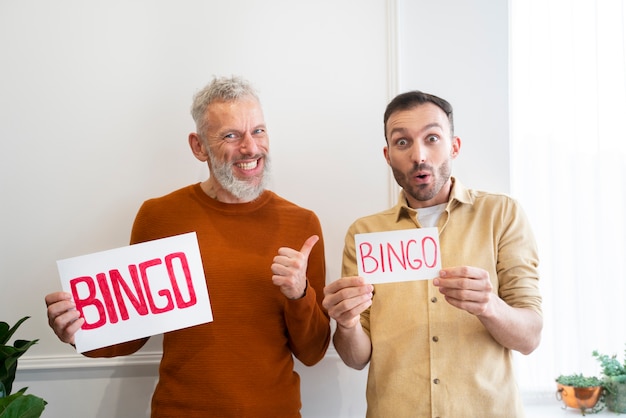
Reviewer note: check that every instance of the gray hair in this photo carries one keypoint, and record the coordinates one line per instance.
(221, 89)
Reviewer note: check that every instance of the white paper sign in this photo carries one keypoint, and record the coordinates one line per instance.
(137, 291)
(398, 256)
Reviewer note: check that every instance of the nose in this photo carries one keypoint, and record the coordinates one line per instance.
(248, 144)
(419, 154)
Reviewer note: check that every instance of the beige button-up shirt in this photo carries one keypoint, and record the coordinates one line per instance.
(430, 359)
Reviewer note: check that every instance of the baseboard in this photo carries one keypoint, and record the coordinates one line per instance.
(77, 361)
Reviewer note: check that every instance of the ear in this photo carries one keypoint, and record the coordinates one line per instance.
(386, 153)
(197, 147)
(456, 147)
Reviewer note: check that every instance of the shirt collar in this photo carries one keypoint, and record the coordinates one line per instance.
(459, 193)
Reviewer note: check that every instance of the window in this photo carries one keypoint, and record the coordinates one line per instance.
(568, 117)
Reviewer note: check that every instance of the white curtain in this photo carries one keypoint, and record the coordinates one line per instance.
(568, 132)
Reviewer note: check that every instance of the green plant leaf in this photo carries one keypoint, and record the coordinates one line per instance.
(6, 332)
(16, 405)
(10, 354)
(7, 376)
(578, 380)
(8, 361)
(20, 405)
(610, 365)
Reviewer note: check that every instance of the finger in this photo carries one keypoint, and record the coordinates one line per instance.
(278, 269)
(463, 271)
(68, 333)
(464, 286)
(458, 288)
(60, 320)
(308, 245)
(337, 285)
(346, 300)
(66, 325)
(57, 297)
(283, 280)
(348, 313)
(472, 307)
(347, 297)
(72, 329)
(59, 308)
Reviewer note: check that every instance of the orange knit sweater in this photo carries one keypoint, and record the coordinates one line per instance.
(239, 365)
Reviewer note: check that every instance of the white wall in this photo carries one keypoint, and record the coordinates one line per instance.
(94, 101)
(459, 50)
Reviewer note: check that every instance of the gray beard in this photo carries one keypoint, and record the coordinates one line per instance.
(241, 189)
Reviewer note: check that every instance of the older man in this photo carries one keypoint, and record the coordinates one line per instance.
(264, 264)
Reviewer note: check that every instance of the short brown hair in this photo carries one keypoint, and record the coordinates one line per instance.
(411, 99)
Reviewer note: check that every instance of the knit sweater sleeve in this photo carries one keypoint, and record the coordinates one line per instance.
(307, 321)
(122, 349)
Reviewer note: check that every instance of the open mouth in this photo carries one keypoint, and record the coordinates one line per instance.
(246, 166)
(421, 177)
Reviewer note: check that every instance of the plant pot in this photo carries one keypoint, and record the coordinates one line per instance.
(615, 397)
(577, 397)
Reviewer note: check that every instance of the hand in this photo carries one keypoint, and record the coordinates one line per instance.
(467, 288)
(63, 317)
(289, 269)
(346, 298)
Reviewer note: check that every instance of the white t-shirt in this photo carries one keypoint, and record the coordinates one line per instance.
(428, 217)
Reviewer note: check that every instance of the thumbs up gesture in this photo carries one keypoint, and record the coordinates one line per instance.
(289, 269)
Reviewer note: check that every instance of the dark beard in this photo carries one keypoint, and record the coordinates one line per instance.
(423, 193)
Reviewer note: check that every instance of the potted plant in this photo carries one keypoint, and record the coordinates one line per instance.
(614, 381)
(580, 392)
(16, 404)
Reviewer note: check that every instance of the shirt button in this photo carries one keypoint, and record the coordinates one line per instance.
(433, 299)
(436, 381)
(435, 338)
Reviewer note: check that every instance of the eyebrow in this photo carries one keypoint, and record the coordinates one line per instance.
(425, 128)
